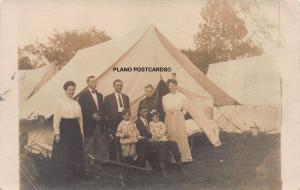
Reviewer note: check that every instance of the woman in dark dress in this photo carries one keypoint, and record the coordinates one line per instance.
(67, 155)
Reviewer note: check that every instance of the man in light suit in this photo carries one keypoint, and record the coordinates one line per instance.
(114, 104)
(96, 141)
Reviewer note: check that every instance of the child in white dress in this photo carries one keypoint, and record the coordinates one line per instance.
(157, 128)
(159, 134)
(129, 136)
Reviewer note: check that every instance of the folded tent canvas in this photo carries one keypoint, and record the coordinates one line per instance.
(142, 48)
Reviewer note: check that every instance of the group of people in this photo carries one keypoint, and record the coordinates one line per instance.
(99, 126)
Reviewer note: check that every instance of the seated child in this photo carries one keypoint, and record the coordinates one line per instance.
(157, 128)
(129, 136)
(159, 134)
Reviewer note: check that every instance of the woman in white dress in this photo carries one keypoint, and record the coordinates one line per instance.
(174, 107)
(67, 155)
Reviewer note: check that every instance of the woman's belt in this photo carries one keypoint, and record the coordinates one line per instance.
(72, 118)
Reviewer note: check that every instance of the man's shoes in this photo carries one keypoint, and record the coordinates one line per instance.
(181, 170)
(165, 174)
(163, 170)
(135, 157)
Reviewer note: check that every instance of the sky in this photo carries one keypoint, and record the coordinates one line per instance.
(176, 19)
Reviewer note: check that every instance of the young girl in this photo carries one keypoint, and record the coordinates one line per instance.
(129, 135)
(159, 134)
(157, 128)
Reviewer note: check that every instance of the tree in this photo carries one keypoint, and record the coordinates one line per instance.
(196, 58)
(222, 36)
(24, 61)
(61, 47)
(254, 15)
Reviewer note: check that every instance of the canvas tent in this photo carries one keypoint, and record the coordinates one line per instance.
(251, 81)
(142, 48)
(256, 83)
(30, 81)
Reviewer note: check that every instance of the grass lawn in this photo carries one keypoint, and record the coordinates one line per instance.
(243, 162)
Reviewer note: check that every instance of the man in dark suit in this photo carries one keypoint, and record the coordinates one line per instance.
(161, 148)
(95, 142)
(145, 145)
(114, 104)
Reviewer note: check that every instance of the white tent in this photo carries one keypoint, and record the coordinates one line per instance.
(30, 81)
(251, 81)
(142, 48)
(256, 83)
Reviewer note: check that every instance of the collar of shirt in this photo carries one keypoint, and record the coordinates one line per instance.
(67, 98)
(120, 108)
(91, 90)
(144, 121)
(117, 94)
(148, 98)
(126, 122)
(94, 95)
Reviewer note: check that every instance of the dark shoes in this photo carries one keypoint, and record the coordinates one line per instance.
(181, 169)
(163, 170)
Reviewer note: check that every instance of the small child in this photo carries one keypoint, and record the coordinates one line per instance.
(159, 134)
(157, 128)
(128, 134)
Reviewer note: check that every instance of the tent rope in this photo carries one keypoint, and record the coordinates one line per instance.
(96, 157)
(29, 178)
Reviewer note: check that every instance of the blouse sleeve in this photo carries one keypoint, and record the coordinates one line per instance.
(57, 118)
(184, 106)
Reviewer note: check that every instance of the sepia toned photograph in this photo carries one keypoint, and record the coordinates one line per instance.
(160, 94)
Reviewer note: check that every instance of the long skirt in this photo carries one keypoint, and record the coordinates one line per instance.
(67, 155)
(175, 125)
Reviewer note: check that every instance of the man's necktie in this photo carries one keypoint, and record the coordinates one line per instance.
(94, 90)
(120, 101)
(147, 125)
